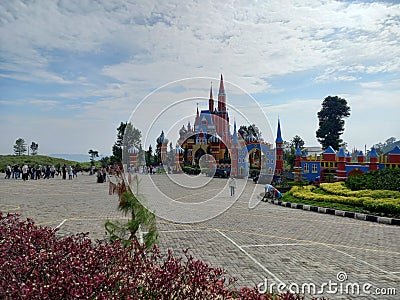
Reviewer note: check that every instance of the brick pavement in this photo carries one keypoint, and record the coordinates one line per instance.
(280, 244)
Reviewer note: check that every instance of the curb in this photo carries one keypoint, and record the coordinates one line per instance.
(342, 213)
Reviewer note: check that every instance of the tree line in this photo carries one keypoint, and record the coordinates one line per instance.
(20, 147)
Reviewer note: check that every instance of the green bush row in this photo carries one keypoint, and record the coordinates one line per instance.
(385, 179)
(383, 205)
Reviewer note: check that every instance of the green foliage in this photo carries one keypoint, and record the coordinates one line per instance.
(331, 123)
(297, 142)
(388, 145)
(140, 217)
(19, 147)
(383, 201)
(34, 148)
(127, 136)
(246, 130)
(93, 154)
(37, 160)
(384, 179)
(105, 161)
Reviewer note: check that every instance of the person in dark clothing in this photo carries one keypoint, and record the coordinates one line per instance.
(64, 171)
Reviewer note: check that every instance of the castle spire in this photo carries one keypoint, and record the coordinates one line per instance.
(196, 120)
(221, 96)
(211, 101)
(279, 134)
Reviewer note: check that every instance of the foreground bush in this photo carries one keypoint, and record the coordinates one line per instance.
(36, 264)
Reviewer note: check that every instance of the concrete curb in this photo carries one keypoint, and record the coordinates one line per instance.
(336, 212)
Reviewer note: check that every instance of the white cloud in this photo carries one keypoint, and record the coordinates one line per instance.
(148, 44)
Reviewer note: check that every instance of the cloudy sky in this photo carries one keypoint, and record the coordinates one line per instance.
(71, 71)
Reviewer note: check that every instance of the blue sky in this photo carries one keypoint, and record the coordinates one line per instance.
(71, 71)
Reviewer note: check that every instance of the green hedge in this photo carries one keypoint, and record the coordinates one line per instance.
(385, 179)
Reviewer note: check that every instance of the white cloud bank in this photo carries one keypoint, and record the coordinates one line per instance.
(100, 58)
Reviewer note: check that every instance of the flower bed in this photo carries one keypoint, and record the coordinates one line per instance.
(339, 188)
(36, 264)
(338, 193)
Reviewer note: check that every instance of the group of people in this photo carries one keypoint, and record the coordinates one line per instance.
(26, 172)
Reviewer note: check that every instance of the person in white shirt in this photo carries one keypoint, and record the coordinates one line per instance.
(232, 185)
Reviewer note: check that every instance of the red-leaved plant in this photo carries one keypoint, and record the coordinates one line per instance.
(35, 263)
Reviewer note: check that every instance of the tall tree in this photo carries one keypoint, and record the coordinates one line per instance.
(34, 148)
(244, 131)
(297, 142)
(20, 146)
(93, 154)
(149, 156)
(331, 123)
(127, 136)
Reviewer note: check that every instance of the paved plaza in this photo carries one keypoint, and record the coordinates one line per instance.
(268, 244)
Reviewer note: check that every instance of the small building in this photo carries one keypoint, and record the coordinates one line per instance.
(337, 166)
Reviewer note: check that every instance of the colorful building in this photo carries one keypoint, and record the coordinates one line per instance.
(211, 134)
(332, 165)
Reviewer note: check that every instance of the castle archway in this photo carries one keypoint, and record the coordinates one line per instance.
(256, 158)
(199, 153)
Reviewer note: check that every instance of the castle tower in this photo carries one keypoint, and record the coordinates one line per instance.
(133, 156)
(279, 151)
(211, 101)
(297, 165)
(221, 96)
(234, 152)
(341, 165)
(360, 157)
(373, 159)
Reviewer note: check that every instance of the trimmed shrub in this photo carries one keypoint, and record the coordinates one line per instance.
(385, 179)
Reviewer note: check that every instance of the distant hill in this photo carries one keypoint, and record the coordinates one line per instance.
(35, 160)
(76, 157)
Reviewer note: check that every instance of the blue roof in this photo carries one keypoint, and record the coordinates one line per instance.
(373, 153)
(360, 153)
(329, 150)
(341, 153)
(396, 150)
(298, 152)
(279, 134)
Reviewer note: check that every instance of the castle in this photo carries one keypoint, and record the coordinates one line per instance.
(211, 134)
(240, 151)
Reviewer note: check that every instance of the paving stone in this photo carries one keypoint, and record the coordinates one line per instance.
(279, 243)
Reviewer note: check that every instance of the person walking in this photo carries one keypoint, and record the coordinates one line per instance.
(70, 172)
(232, 185)
(25, 169)
(8, 172)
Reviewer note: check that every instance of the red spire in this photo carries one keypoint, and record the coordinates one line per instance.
(211, 94)
(221, 96)
(221, 86)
